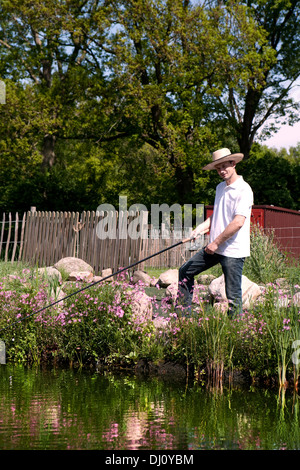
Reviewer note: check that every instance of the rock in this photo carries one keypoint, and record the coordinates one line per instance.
(199, 294)
(222, 307)
(153, 282)
(217, 289)
(141, 305)
(50, 273)
(282, 283)
(171, 291)
(168, 277)
(250, 290)
(72, 264)
(205, 279)
(85, 276)
(106, 272)
(142, 277)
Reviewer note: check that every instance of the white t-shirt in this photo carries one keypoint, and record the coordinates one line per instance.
(234, 199)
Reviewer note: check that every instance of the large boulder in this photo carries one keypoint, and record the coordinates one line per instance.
(49, 273)
(168, 277)
(141, 277)
(73, 265)
(250, 290)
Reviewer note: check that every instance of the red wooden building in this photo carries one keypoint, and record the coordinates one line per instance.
(285, 224)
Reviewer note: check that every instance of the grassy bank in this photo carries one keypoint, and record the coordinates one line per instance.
(98, 326)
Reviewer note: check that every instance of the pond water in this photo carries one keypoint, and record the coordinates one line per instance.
(85, 410)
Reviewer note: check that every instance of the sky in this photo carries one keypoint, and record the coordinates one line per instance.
(286, 137)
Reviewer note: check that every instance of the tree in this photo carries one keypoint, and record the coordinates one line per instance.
(132, 95)
(273, 178)
(168, 63)
(105, 71)
(45, 43)
(267, 93)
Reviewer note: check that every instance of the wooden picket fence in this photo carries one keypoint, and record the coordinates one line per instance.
(11, 237)
(172, 258)
(43, 238)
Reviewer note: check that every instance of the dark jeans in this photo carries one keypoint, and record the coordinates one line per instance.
(201, 261)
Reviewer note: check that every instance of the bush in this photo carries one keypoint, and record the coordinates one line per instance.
(266, 262)
(94, 325)
(98, 325)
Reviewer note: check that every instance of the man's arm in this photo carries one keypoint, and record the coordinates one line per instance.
(229, 231)
(201, 228)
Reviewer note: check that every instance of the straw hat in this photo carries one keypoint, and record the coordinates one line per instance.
(223, 155)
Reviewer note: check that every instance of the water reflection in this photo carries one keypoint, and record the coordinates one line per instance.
(67, 409)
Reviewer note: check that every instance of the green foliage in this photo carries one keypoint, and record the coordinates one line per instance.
(203, 342)
(282, 321)
(266, 262)
(272, 178)
(98, 325)
(131, 97)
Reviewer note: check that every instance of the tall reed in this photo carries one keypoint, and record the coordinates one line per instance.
(282, 320)
(266, 262)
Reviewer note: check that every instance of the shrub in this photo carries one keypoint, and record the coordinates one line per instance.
(97, 325)
(266, 262)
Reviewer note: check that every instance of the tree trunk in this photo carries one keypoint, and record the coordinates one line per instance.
(184, 182)
(48, 151)
(246, 134)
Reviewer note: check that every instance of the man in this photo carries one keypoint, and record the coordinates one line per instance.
(229, 226)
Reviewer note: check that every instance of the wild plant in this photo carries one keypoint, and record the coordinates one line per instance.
(282, 320)
(266, 262)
